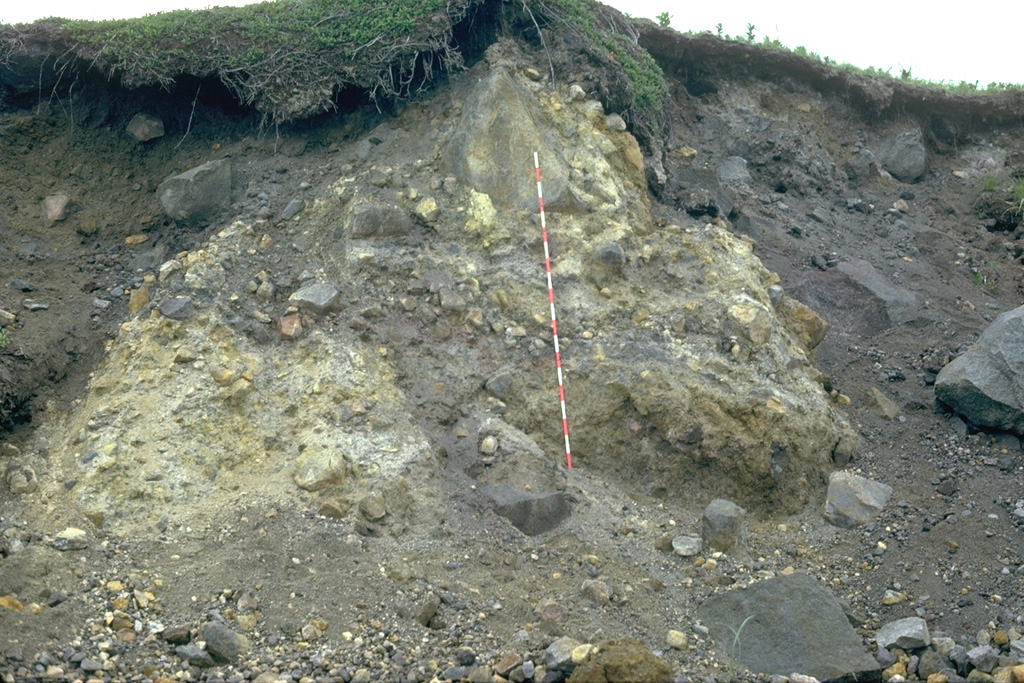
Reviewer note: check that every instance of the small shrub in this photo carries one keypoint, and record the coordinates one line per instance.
(664, 19)
(751, 32)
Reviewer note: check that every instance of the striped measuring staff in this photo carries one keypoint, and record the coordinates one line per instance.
(554, 320)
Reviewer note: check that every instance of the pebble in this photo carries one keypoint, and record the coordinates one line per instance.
(676, 639)
(21, 285)
(687, 546)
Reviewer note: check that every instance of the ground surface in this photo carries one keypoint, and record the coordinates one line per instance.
(947, 541)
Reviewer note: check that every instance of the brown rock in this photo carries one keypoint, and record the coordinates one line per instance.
(178, 635)
(138, 300)
(290, 326)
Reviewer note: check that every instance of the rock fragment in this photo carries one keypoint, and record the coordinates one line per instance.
(853, 500)
(197, 194)
(144, 127)
(722, 524)
(907, 634)
(317, 298)
(223, 643)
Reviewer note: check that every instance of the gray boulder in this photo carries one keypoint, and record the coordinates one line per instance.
(531, 512)
(197, 194)
(855, 298)
(734, 169)
(379, 220)
(984, 658)
(858, 167)
(223, 643)
(784, 625)
(986, 383)
(319, 297)
(853, 500)
(491, 148)
(904, 155)
(144, 127)
(722, 524)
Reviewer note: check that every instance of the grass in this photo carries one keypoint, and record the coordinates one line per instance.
(643, 73)
(906, 75)
(734, 649)
(1018, 192)
(4, 338)
(288, 58)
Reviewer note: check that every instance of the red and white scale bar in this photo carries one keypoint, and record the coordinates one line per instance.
(554, 320)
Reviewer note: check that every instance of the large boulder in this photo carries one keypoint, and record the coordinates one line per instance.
(854, 297)
(789, 624)
(986, 383)
(492, 149)
(904, 155)
(197, 194)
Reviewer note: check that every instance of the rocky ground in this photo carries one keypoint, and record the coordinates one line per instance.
(310, 432)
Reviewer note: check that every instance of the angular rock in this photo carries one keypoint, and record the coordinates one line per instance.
(197, 194)
(318, 298)
(292, 208)
(71, 539)
(686, 546)
(722, 524)
(22, 285)
(144, 127)
(986, 383)
(700, 193)
(904, 155)
(907, 634)
(786, 624)
(426, 611)
(596, 591)
(223, 643)
(733, 169)
(318, 468)
(175, 307)
(532, 512)
(860, 166)
(855, 298)
(55, 207)
(427, 210)
(853, 500)
(984, 658)
(378, 220)
(195, 656)
(881, 405)
(558, 655)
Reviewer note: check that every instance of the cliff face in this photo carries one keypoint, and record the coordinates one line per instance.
(341, 327)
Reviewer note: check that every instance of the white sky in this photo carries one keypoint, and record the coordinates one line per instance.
(975, 43)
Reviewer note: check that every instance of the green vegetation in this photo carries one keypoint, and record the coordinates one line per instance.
(288, 58)
(989, 184)
(1018, 192)
(642, 72)
(664, 19)
(906, 75)
(4, 338)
